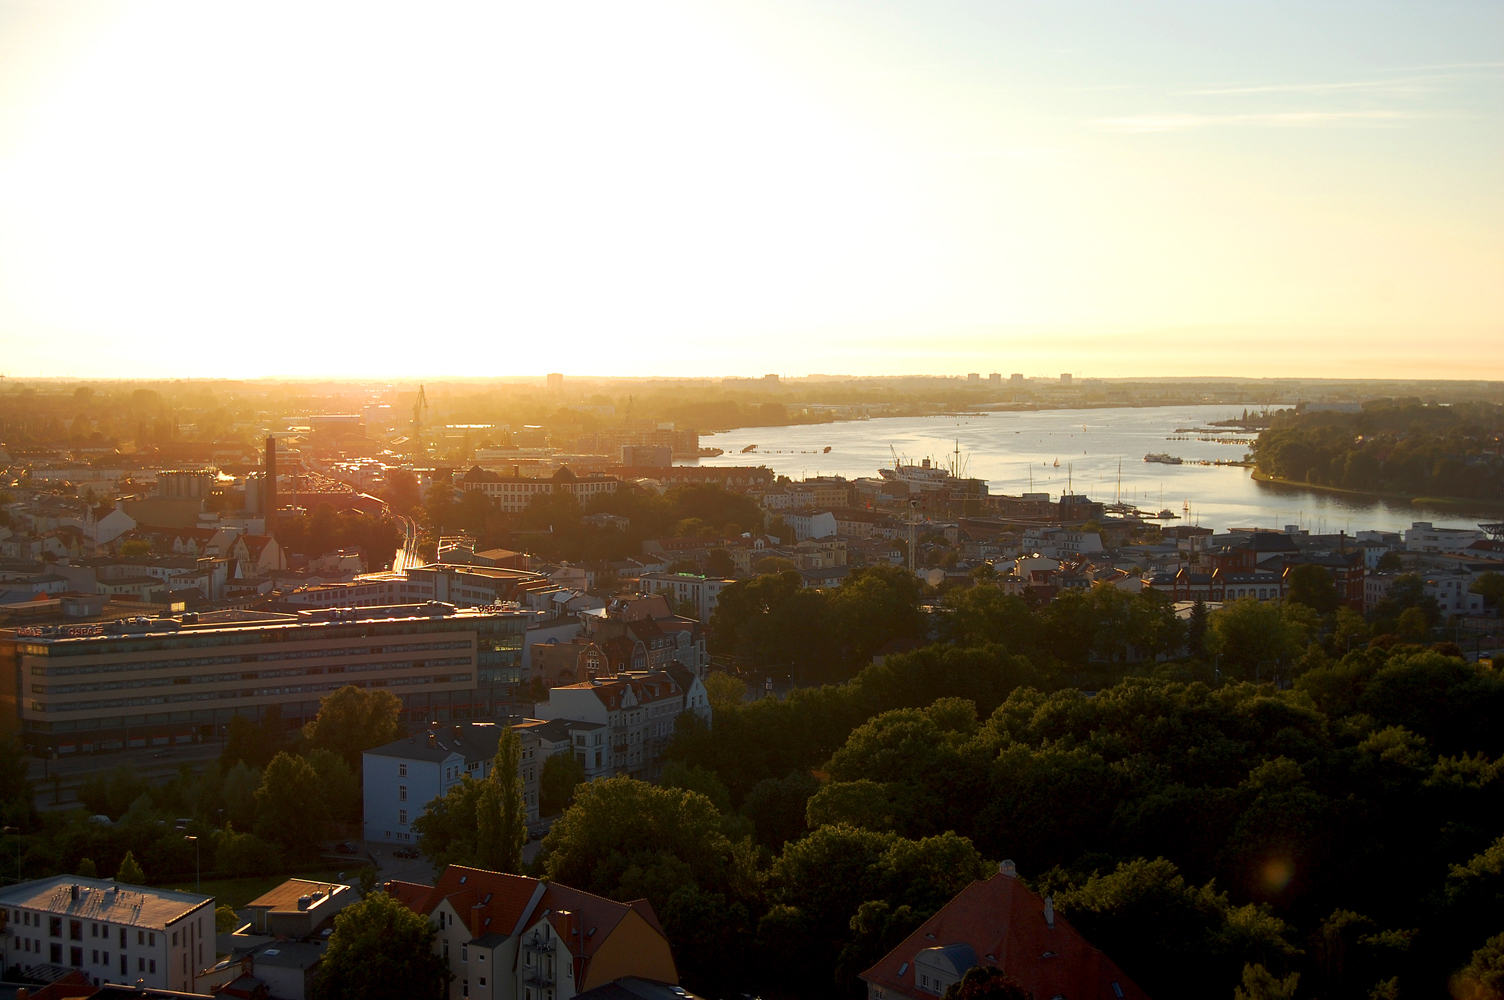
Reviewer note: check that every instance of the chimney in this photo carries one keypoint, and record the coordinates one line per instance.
(477, 918)
(22, 993)
(1049, 911)
(73, 892)
(1008, 868)
(432, 739)
(459, 731)
(269, 488)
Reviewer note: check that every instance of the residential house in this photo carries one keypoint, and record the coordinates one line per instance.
(511, 937)
(999, 923)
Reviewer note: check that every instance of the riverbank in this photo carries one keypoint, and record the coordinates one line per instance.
(1415, 500)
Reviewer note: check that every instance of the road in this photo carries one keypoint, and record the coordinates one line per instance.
(149, 762)
(407, 555)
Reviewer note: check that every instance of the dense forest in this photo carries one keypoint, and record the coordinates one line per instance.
(1296, 797)
(1394, 446)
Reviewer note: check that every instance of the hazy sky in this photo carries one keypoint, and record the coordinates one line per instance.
(1108, 188)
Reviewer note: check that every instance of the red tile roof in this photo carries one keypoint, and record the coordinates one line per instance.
(1004, 925)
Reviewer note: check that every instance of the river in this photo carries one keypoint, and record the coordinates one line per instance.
(1016, 452)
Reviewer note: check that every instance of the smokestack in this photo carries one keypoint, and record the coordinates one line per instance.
(269, 487)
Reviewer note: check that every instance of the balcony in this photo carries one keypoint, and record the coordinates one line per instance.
(538, 942)
(537, 976)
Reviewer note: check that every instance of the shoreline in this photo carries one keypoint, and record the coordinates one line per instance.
(1409, 499)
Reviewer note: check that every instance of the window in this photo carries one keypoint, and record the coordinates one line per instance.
(122, 944)
(174, 938)
(401, 793)
(140, 937)
(402, 816)
(153, 964)
(94, 957)
(140, 965)
(55, 928)
(56, 954)
(75, 930)
(483, 980)
(401, 770)
(466, 986)
(464, 953)
(76, 957)
(105, 959)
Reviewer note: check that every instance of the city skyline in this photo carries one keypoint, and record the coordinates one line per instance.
(681, 190)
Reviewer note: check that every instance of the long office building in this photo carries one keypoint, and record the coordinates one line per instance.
(163, 681)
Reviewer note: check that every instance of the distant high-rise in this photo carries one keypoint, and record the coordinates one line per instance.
(555, 382)
(995, 379)
(269, 488)
(1016, 379)
(1065, 378)
(973, 378)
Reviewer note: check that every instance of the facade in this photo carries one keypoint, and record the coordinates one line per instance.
(510, 937)
(1421, 536)
(513, 494)
(157, 682)
(401, 778)
(999, 923)
(109, 932)
(701, 591)
(638, 711)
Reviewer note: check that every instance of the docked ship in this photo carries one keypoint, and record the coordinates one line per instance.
(929, 475)
(1162, 458)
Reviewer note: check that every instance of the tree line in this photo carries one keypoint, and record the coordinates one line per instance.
(1393, 445)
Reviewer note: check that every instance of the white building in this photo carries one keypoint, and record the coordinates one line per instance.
(1057, 542)
(1452, 594)
(811, 524)
(401, 778)
(1422, 537)
(111, 933)
(702, 591)
(638, 710)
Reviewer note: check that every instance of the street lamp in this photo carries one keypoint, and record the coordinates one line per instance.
(198, 869)
(17, 831)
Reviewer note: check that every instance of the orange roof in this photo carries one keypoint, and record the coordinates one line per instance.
(1004, 925)
(498, 903)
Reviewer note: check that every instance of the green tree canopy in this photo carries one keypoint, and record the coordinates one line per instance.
(353, 720)
(291, 809)
(381, 950)
(562, 773)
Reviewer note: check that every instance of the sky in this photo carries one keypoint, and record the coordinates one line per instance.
(1105, 187)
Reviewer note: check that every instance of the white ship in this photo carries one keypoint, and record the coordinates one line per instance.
(929, 475)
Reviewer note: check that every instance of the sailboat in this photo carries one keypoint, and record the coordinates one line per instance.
(1057, 463)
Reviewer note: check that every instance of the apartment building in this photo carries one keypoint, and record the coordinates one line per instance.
(162, 681)
(700, 591)
(402, 777)
(511, 937)
(638, 711)
(110, 932)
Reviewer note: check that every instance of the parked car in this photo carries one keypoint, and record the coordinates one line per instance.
(405, 852)
(345, 847)
(536, 834)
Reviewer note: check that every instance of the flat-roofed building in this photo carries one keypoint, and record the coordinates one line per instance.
(155, 682)
(513, 494)
(110, 932)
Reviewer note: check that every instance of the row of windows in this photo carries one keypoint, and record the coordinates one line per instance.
(204, 661)
(277, 634)
(84, 706)
(26, 918)
(452, 661)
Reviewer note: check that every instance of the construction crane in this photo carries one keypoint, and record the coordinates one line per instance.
(420, 405)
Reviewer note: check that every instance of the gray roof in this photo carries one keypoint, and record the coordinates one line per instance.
(103, 899)
(290, 955)
(475, 741)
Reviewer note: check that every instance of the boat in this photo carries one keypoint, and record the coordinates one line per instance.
(750, 447)
(1057, 463)
(827, 450)
(1167, 515)
(1162, 458)
(928, 475)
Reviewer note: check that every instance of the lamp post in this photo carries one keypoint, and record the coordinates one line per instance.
(198, 869)
(17, 831)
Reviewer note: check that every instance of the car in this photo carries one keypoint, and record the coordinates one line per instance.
(165, 752)
(405, 852)
(536, 834)
(345, 847)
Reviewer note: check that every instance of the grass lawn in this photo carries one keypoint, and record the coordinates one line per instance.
(237, 892)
